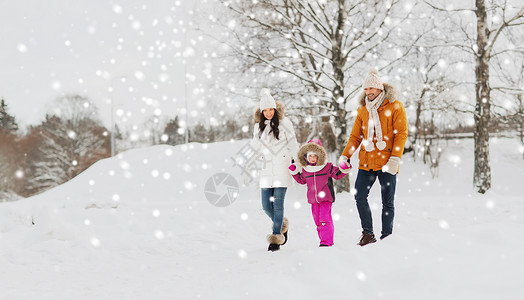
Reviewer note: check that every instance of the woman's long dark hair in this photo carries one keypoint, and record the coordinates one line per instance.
(273, 124)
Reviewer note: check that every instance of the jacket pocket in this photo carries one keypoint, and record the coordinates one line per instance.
(363, 158)
(384, 155)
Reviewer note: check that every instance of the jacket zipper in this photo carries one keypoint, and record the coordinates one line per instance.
(315, 182)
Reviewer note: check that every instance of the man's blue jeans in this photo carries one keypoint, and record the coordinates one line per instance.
(364, 182)
(273, 205)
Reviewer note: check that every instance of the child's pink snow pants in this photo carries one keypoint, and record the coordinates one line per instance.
(322, 216)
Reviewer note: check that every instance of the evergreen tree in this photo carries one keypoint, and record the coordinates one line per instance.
(7, 122)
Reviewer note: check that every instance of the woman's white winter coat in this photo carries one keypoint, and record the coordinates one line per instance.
(275, 155)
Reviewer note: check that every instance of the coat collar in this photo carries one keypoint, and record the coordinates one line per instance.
(313, 169)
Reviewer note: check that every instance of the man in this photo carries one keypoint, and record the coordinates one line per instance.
(380, 130)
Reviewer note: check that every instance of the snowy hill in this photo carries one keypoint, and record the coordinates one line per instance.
(139, 226)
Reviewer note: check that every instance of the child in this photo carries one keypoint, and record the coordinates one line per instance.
(316, 173)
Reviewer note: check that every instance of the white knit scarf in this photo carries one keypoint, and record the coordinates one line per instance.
(374, 123)
(266, 137)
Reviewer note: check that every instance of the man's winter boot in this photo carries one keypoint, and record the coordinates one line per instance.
(367, 238)
(285, 228)
(275, 240)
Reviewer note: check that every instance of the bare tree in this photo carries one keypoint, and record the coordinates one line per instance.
(310, 51)
(314, 47)
(490, 20)
(428, 91)
(511, 110)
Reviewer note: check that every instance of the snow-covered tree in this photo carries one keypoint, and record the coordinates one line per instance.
(8, 159)
(480, 28)
(154, 130)
(72, 140)
(314, 52)
(510, 112)
(427, 92)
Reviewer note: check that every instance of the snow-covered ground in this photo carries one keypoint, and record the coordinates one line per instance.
(139, 226)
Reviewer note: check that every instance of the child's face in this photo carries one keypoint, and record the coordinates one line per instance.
(312, 158)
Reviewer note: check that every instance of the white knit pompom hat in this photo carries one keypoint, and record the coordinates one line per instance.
(373, 80)
(266, 100)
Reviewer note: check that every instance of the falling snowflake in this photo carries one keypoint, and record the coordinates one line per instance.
(242, 253)
(117, 9)
(443, 224)
(159, 234)
(22, 48)
(361, 276)
(124, 165)
(188, 185)
(95, 242)
(56, 85)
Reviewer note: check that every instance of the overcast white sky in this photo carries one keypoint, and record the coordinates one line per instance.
(50, 48)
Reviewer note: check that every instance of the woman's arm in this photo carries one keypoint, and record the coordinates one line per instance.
(255, 141)
(289, 131)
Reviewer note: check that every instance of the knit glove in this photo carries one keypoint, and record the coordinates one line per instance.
(344, 164)
(293, 169)
(392, 165)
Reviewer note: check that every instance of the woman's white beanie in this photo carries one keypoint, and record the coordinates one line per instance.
(373, 80)
(266, 101)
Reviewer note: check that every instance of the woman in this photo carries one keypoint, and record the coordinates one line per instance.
(275, 141)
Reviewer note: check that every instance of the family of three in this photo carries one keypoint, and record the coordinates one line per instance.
(380, 130)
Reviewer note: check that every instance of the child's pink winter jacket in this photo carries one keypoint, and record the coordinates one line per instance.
(316, 177)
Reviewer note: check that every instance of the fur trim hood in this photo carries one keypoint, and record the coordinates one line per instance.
(280, 111)
(391, 94)
(314, 147)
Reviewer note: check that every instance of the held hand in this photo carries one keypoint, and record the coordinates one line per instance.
(293, 168)
(343, 163)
